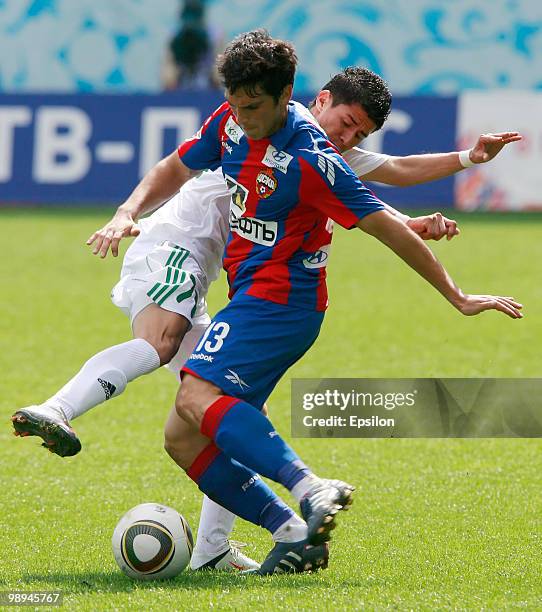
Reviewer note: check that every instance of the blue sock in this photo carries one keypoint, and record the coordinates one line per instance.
(238, 489)
(245, 434)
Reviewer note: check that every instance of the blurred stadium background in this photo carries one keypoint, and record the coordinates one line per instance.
(82, 114)
(439, 524)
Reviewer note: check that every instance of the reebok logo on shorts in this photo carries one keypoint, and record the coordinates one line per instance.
(202, 357)
(236, 379)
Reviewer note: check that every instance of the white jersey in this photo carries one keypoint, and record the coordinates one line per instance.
(362, 162)
(196, 219)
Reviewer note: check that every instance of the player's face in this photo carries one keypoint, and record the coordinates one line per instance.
(346, 125)
(259, 116)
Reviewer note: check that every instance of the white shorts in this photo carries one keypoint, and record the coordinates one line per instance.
(160, 273)
(164, 274)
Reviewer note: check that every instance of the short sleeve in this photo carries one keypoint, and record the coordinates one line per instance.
(362, 162)
(203, 150)
(329, 184)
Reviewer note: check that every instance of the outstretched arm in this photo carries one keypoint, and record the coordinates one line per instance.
(411, 248)
(156, 187)
(416, 169)
(428, 227)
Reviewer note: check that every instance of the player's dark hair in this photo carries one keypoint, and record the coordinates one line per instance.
(355, 85)
(258, 63)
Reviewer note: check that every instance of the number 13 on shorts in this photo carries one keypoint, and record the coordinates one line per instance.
(213, 338)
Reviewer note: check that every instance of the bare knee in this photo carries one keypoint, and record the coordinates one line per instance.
(166, 346)
(162, 329)
(193, 398)
(180, 450)
(187, 402)
(182, 442)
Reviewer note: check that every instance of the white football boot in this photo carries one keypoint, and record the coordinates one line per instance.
(50, 423)
(229, 560)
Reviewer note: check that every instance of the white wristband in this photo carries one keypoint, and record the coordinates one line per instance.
(464, 159)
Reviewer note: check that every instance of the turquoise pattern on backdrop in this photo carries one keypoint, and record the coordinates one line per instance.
(419, 46)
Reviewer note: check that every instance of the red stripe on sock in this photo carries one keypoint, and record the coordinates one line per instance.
(215, 413)
(203, 461)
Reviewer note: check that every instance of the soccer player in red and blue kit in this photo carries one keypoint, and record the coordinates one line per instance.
(286, 180)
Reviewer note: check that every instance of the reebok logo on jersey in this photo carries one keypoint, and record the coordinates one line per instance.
(266, 183)
(109, 388)
(233, 130)
(236, 379)
(327, 167)
(260, 232)
(226, 146)
(277, 159)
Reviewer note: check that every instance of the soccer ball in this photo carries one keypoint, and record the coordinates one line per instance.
(152, 541)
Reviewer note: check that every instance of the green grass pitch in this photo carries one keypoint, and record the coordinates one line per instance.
(436, 524)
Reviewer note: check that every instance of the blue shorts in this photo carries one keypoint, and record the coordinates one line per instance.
(250, 344)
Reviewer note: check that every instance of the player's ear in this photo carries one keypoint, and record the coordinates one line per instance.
(286, 94)
(323, 99)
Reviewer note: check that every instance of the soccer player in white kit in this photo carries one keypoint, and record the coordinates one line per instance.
(166, 273)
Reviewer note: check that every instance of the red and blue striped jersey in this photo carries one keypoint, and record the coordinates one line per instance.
(285, 192)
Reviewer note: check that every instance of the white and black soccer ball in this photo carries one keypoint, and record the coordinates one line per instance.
(151, 542)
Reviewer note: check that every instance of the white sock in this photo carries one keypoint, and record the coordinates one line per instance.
(293, 530)
(105, 376)
(214, 529)
(305, 486)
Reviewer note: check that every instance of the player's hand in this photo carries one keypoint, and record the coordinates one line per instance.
(475, 304)
(488, 145)
(433, 227)
(122, 225)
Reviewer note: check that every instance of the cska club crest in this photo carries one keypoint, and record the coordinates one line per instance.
(266, 183)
